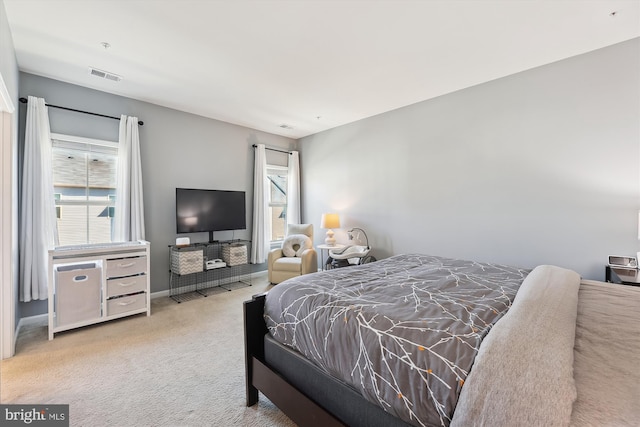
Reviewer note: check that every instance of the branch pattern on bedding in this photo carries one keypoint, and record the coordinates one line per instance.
(403, 331)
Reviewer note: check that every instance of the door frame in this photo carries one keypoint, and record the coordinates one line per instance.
(7, 220)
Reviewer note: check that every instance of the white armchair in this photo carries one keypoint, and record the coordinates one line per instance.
(296, 257)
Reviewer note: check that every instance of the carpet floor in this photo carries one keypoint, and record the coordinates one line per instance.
(182, 366)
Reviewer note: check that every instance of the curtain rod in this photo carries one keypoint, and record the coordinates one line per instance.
(273, 149)
(24, 101)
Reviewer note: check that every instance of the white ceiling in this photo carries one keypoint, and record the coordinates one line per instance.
(312, 65)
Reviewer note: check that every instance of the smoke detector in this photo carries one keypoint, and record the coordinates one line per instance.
(104, 74)
(286, 126)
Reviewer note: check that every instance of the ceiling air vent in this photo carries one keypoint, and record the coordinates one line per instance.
(286, 126)
(104, 74)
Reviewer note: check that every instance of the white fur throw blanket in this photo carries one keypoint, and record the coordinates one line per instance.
(523, 373)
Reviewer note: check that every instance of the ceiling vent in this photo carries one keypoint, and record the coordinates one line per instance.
(104, 74)
(286, 126)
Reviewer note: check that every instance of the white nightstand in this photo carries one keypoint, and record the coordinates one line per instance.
(327, 248)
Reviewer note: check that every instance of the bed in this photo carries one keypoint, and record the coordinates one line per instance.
(430, 341)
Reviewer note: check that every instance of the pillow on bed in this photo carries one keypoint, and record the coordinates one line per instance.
(295, 244)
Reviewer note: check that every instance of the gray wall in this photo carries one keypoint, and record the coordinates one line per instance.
(522, 170)
(177, 149)
(538, 167)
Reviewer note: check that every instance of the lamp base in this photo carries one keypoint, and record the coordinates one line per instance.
(330, 240)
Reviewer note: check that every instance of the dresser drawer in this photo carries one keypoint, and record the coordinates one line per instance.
(126, 285)
(126, 266)
(125, 304)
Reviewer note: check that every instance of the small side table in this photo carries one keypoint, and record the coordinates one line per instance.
(624, 276)
(327, 248)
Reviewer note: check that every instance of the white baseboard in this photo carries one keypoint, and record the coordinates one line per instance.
(31, 320)
(262, 274)
(44, 318)
(165, 293)
(159, 294)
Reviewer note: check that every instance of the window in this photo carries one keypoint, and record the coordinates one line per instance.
(84, 181)
(277, 176)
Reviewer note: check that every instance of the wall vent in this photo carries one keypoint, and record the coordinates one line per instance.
(104, 74)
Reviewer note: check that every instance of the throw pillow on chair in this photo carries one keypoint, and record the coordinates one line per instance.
(295, 244)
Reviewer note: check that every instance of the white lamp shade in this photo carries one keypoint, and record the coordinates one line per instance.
(330, 220)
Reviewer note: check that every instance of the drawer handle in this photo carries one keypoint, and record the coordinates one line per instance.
(123, 284)
(127, 265)
(82, 278)
(124, 303)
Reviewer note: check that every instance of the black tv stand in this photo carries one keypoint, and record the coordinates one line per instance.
(196, 280)
(211, 238)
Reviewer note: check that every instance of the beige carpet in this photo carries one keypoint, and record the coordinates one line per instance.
(182, 366)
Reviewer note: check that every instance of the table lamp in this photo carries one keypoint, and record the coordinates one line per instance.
(330, 221)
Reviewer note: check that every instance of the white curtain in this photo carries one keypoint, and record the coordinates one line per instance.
(38, 214)
(261, 225)
(293, 189)
(129, 210)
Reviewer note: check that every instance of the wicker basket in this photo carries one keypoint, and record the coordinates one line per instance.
(187, 261)
(234, 254)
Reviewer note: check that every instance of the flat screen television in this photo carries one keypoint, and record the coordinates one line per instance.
(209, 211)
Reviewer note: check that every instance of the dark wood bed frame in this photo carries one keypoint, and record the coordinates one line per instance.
(261, 377)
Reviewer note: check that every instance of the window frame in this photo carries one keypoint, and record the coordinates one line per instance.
(270, 167)
(83, 144)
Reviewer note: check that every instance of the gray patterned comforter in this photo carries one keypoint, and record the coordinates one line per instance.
(403, 331)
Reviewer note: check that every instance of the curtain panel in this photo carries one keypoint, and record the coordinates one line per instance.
(129, 208)
(38, 211)
(261, 231)
(293, 189)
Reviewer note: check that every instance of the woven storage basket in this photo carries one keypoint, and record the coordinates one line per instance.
(187, 261)
(234, 254)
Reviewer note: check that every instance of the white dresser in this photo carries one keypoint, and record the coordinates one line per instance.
(94, 283)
